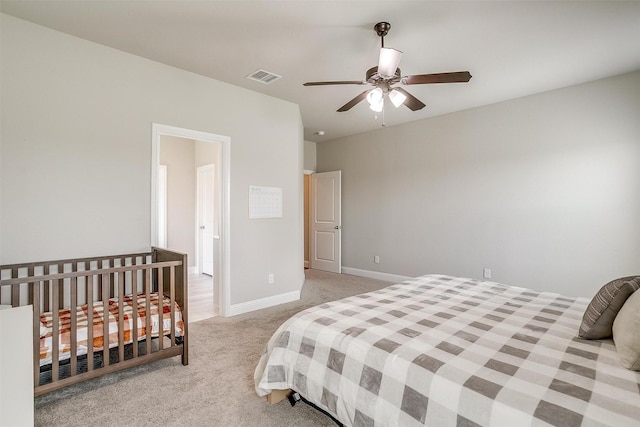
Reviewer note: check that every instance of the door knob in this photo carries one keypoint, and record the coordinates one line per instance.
(338, 227)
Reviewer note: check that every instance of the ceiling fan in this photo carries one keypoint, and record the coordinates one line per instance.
(387, 74)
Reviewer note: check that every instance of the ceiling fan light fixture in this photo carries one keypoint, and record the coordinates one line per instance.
(375, 98)
(377, 107)
(397, 97)
(388, 62)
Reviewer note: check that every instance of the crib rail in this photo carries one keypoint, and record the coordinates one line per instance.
(66, 284)
(49, 268)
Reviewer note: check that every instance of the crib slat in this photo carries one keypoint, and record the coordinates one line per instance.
(172, 302)
(55, 353)
(121, 316)
(112, 290)
(89, 294)
(36, 334)
(73, 303)
(160, 308)
(15, 295)
(61, 288)
(86, 283)
(99, 288)
(30, 287)
(147, 278)
(47, 291)
(105, 319)
(135, 316)
(15, 289)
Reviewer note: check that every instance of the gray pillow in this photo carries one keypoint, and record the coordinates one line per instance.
(626, 333)
(603, 308)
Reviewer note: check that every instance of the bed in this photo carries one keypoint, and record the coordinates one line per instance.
(75, 338)
(447, 351)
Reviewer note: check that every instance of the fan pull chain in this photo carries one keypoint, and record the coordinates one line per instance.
(383, 121)
(375, 116)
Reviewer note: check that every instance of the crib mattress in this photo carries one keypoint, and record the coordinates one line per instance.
(130, 317)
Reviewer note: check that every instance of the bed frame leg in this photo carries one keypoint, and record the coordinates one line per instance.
(295, 397)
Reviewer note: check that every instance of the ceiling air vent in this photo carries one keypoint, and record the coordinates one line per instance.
(263, 76)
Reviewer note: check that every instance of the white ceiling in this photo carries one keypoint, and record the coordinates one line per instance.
(512, 48)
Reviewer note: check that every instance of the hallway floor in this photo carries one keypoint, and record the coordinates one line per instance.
(201, 298)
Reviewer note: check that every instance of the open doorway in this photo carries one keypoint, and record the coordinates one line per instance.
(193, 166)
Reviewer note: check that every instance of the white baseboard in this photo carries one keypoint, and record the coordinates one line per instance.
(193, 270)
(246, 307)
(387, 277)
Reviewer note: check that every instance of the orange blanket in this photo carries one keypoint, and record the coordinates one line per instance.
(130, 316)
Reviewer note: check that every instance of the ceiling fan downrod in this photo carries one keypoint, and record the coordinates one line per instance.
(382, 29)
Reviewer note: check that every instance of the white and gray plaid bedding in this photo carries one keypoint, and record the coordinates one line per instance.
(445, 351)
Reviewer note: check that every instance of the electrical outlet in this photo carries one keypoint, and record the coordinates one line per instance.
(271, 279)
(487, 273)
(376, 259)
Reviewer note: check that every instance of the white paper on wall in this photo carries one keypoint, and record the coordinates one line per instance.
(265, 202)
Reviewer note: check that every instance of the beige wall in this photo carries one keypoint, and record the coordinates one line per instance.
(179, 155)
(309, 156)
(544, 190)
(76, 155)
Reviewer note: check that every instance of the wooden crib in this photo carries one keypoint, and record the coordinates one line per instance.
(143, 292)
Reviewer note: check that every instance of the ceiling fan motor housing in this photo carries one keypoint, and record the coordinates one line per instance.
(374, 78)
(382, 28)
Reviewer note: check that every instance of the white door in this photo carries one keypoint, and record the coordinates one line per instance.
(325, 222)
(205, 218)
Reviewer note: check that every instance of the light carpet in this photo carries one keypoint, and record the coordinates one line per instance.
(215, 389)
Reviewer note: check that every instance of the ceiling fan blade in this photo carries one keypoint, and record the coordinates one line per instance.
(339, 82)
(354, 101)
(388, 62)
(413, 103)
(420, 79)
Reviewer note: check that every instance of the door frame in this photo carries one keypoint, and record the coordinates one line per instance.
(223, 260)
(162, 206)
(306, 194)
